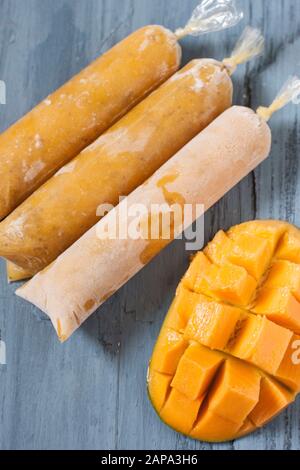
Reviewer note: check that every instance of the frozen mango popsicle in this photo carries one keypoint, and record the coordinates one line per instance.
(72, 117)
(200, 173)
(195, 175)
(66, 206)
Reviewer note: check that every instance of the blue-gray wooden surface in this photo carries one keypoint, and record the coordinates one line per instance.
(90, 393)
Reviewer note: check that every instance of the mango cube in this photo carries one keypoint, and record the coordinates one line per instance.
(213, 428)
(285, 274)
(262, 343)
(158, 386)
(289, 369)
(180, 412)
(289, 247)
(273, 399)
(181, 309)
(168, 351)
(280, 306)
(219, 249)
(253, 253)
(242, 344)
(248, 251)
(227, 283)
(271, 230)
(199, 264)
(235, 391)
(212, 323)
(246, 428)
(196, 370)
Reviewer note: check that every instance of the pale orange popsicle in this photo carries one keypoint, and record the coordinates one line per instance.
(65, 207)
(201, 172)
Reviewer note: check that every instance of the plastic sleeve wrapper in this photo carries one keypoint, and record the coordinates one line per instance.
(211, 16)
(96, 266)
(290, 93)
(15, 273)
(65, 207)
(250, 45)
(72, 117)
(117, 163)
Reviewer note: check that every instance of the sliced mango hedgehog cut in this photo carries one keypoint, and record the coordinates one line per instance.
(227, 360)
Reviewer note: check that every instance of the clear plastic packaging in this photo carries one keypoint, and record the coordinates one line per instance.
(211, 16)
(290, 92)
(250, 44)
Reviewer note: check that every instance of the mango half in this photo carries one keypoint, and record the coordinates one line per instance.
(227, 360)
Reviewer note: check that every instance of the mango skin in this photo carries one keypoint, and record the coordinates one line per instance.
(245, 376)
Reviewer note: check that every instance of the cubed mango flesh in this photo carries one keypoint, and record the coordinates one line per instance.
(246, 250)
(227, 283)
(218, 250)
(168, 351)
(285, 274)
(271, 230)
(181, 309)
(213, 428)
(289, 247)
(180, 412)
(235, 392)
(200, 264)
(280, 306)
(247, 428)
(273, 399)
(289, 370)
(227, 360)
(262, 343)
(159, 386)
(212, 323)
(196, 370)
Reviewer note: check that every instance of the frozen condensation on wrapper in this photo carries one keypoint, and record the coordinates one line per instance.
(57, 138)
(118, 161)
(71, 118)
(196, 174)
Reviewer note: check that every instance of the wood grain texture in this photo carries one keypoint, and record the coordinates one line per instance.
(90, 393)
